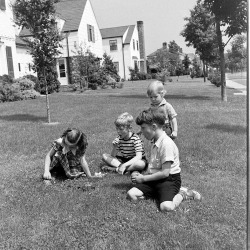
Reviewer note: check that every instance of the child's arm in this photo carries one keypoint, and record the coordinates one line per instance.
(153, 177)
(50, 154)
(175, 128)
(137, 157)
(114, 151)
(85, 166)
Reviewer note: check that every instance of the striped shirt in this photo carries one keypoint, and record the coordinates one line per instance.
(128, 148)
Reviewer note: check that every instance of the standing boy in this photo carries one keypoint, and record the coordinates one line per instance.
(156, 93)
(162, 179)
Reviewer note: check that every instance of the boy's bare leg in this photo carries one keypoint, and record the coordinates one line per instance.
(111, 161)
(135, 194)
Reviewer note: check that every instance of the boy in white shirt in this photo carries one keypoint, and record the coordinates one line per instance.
(162, 179)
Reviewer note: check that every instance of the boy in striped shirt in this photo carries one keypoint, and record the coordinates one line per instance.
(128, 152)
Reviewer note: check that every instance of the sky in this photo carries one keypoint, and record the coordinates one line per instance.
(163, 19)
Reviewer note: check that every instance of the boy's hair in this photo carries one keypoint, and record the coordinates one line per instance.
(149, 117)
(125, 119)
(156, 86)
(75, 135)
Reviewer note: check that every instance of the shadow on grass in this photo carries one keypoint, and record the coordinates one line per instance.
(23, 118)
(237, 129)
(168, 97)
(123, 186)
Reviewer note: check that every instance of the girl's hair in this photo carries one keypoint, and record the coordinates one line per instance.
(125, 119)
(75, 135)
(149, 117)
(156, 86)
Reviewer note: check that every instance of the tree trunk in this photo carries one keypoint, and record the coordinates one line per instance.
(47, 97)
(204, 70)
(222, 61)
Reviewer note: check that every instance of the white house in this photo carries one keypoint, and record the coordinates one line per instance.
(8, 60)
(78, 25)
(126, 46)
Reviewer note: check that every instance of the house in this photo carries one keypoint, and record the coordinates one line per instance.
(77, 23)
(126, 46)
(8, 60)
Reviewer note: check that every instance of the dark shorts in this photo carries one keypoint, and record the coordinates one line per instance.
(161, 190)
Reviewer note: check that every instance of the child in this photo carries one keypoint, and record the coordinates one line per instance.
(68, 153)
(162, 179)
(128, 152)
(156, 94)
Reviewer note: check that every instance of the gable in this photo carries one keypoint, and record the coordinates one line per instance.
(71, 11)
(130, 34)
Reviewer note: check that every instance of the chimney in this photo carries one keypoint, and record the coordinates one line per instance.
(143, 65)
(164, 45)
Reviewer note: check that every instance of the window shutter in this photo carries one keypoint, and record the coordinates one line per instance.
(2, 5)
(88, 29)
(9, 61)
(93, 30)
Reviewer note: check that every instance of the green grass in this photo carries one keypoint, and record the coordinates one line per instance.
(212, 144)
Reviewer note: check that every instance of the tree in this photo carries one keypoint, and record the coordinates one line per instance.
(230, 20)
(186, 62)
(109, 67)
(199, 32)
(38, 16)
(236, 57)
(85, 67)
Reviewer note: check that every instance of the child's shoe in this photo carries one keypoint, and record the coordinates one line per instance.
(106, 168)
(189, 194)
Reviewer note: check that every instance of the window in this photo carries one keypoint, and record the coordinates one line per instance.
(91, 33)
(9, 61)
(29, 67)
(134, 44)
(136, 65)
(62, 68)
(137, 45)
(113, 45)
(2, 5)
(116, 64)
(19, 67)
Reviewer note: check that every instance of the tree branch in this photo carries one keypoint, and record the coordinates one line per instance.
(228, 41)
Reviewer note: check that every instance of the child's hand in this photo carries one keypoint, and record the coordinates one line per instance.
(137, 178)
(47, 176)
(174, 134)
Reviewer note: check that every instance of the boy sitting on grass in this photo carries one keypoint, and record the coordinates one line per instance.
(162, 179)
(128, 151)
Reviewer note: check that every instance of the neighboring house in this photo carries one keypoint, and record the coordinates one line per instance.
(126, 46)
(78, 25)
(8, 60)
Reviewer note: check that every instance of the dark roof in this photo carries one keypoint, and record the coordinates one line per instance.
(119, 32)
(113, 32)
(20, 42)
(69, 10)
(129, 34)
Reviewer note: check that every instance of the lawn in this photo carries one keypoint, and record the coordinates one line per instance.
(65, 215)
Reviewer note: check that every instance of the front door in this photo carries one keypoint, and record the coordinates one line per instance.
(62, 71)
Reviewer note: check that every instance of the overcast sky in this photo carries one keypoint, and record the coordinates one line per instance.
(163, 19)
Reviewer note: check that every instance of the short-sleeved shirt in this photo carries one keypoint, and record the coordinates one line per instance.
(72, 155)
(166, 108)
(163, 150)
(128, 148)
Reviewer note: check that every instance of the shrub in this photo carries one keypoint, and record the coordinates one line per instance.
(29, 94)
(120, 85)
(10, 93)
(215, 78)
(93, 86)
(148, 76)
(24, 83)
(6, 79)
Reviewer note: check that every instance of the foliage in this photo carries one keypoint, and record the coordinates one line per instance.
(236, 56)
(6, 79)
(20, 89)
(186, 63)
(108, 67)
(196, 69)
(215, 78)
(230, 19)
(199, 32)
